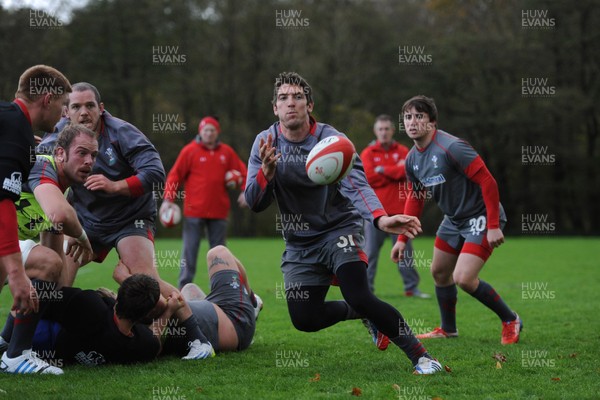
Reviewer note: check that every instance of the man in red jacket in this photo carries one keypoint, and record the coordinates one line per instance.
(201, 167)
(384, 166)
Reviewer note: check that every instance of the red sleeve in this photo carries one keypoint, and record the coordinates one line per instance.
(176, 175)
(135, 186)
(414, 206)
(375, 180)
(9, 238)
(478, 173)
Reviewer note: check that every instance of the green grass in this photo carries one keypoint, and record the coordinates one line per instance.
(559, 342)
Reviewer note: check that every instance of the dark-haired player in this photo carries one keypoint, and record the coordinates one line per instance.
(467, 194)
(327, 241)
(227, 316)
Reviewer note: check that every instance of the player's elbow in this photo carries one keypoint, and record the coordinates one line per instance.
(61, 217)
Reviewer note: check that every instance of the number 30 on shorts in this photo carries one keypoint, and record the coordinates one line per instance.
(477, 225)
(345, 240)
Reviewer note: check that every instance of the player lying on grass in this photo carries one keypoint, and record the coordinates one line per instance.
(94, 327)
(467, 193)
(226, 317)
(43, 210)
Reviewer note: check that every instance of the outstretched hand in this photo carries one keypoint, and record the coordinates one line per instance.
(268, 157)
(400, 225)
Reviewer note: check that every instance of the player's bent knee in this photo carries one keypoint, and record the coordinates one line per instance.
(217, 251)
(441, 276)
(466, 283)
(306, 324)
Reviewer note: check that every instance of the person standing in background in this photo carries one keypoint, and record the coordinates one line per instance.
(383, 161)
(201, 167)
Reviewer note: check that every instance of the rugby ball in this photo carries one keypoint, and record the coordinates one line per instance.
(170, 216)
(330, 160)
(233, 179)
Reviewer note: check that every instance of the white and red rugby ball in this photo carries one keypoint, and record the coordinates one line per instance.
(233, 179)
(330, 160)
(170, 216)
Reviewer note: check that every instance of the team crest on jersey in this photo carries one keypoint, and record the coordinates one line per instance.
(234, 282)
(415, 167)
(434, 159)
(223, 159)
(13, 184)
(112, 159)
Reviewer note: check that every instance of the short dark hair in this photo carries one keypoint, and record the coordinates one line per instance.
(422, 104)
(136, 297)
(83, 86)
(292, 78)
(70, 132)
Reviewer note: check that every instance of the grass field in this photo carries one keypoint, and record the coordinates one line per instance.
(552, 283)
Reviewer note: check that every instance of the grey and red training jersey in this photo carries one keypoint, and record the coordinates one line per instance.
(456, 176)
(310, 214)
(123, 153)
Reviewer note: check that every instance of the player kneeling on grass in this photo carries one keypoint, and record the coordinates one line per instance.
(226, 317)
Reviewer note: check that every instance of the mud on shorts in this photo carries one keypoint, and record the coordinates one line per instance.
(228, 292)
(318, 265)
(469, 236)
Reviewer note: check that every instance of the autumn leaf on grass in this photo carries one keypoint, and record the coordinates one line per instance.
(556, 379)
(448, 369)
(356, 391)
(498, 365)
(316, 378)
(500, 357)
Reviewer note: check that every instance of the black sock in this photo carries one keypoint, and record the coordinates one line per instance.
(447, 297)
(492, 300)
(24, 325)
(8, 328)
(388, 320)
(192, 330)
(411, 346)
(310, 312)
(351, 314)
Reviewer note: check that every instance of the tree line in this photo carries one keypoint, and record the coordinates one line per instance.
(517, 79)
